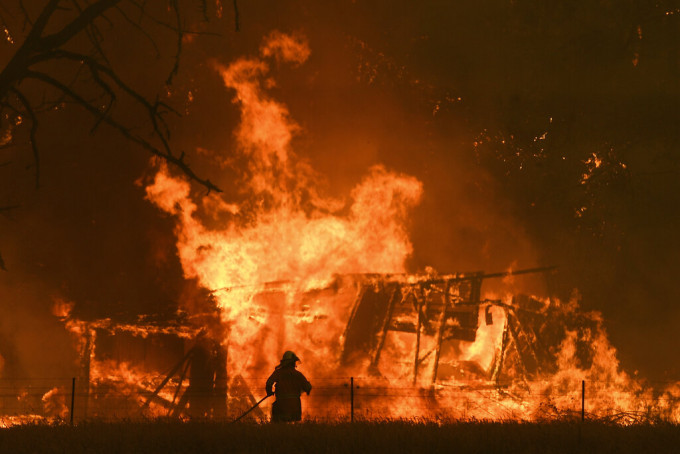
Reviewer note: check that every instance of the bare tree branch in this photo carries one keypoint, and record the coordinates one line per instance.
(40, 47)
(180, 35)
(50, 43)
(143, 13)
(86, 18)
(13, 72)
(27, 18)
(34, 129)
(153, 110)
(178, 161)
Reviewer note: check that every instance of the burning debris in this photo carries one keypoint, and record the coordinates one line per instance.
(290, 269)
(287, 268)
(455, 351)
(438, 311)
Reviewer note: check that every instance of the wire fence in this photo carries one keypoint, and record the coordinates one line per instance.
(69, 400)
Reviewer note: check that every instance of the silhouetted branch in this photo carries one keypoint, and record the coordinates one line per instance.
(27, 18)
(153, 110)
(34, 129)
(180, 35)
(86, 18)
(136, 24)
(167, 155)
(39, 47)
(143, 13)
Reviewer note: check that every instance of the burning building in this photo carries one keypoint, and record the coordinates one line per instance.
(417, 345)
(284, 267)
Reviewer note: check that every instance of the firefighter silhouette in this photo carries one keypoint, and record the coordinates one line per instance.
(287, 383)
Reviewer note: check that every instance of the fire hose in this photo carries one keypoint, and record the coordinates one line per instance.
(252, 408)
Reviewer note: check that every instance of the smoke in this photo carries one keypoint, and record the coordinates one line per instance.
(360, 94)
(26, 327)
(285, 48)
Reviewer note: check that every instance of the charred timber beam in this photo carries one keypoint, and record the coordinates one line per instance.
(155, 398)
(423, 358)
(542, 269)
(221, 382)
(181, 381)
(404, 327)
(500, 355)
(403, 278)
(476, 287)
(385, 328)
(520, 360)
(181, 405)
(440, 331)
(524, 346)
(459, 277)
(167, 378)
(419, 306)
(353, 314)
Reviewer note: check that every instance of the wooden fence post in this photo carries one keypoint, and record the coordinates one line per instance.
(583, 400)
(73, 396)
(351, 399)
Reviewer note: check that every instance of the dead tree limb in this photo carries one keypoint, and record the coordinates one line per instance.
(34, 129)
(177, 161)
(45, 44)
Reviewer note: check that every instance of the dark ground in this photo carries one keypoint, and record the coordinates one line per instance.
(461, 437)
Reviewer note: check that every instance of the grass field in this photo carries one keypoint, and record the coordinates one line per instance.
(388, 437)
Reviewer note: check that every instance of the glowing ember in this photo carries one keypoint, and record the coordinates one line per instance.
(62, 308)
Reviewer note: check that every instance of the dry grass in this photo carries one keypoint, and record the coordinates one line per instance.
(387, 436)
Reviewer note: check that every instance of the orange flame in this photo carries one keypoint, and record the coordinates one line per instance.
(280, 270)
(290, 232)
(300, 240)
(54, 402)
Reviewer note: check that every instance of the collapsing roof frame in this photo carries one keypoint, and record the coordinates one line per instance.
(441, 307)
(444, 307)
(203, 367)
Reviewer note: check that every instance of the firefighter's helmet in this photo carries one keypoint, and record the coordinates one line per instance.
(289, 356)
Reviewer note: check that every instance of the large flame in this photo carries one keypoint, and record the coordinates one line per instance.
(286, 231)
(282, 268)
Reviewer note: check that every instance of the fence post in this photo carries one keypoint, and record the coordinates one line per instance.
(351, 399)
(73, 396)
(583, 400)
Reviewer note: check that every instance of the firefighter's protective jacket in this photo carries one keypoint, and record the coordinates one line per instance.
(290, 383)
